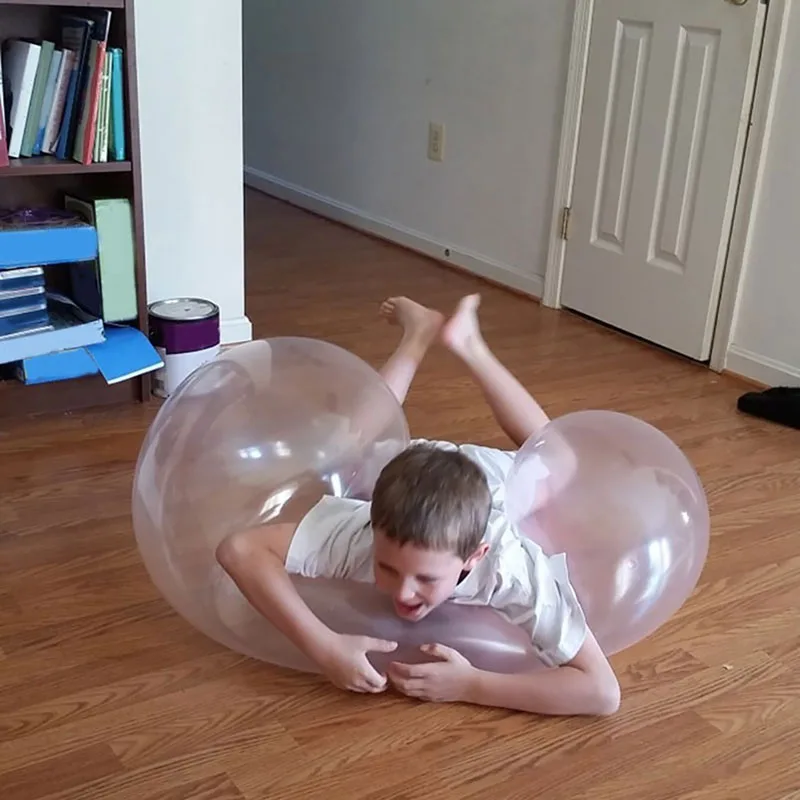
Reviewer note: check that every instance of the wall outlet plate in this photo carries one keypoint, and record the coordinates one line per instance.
(436, 141)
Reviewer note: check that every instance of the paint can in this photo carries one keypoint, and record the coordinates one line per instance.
(185, 332)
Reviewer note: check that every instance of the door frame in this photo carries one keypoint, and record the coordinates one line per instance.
(767, 74)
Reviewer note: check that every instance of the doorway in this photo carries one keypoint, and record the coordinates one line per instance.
(656, 152)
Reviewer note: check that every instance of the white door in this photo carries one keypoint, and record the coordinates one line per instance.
(665, 116)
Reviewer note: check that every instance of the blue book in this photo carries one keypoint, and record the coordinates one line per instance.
(24, 322)
(52, 367)
(125, 354)
(24, 278)
(36, 237)
(117, 138)
(72, 328)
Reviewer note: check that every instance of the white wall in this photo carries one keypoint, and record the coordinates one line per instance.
(190, 100)
(338, 97)
(766, 338)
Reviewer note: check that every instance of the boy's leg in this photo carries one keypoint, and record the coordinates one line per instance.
(517, 413)
(421, 327)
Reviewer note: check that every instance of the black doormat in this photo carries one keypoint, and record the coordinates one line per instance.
(780, 404)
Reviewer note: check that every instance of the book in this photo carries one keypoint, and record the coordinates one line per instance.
(107, 288)
(83, 149)
(31, 322)
(75, 34)
(46, 49)
(53, 367)
(103, 116)
(21, 278)
(117, 122)
(72, 328)
(3, 138)
(21, 297)
(56, 114)
(47, 100)
(126, 353)
(36, 237)
(20, 65)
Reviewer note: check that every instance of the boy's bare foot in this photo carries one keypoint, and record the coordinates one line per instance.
(418, 322)
(462, 333)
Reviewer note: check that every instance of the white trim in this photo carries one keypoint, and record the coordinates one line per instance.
(568, 150)
(475, 263)
(751, 178)
(759, 368)
(233, 331)
(764, 107)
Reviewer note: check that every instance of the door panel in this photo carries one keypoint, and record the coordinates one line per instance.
(668, 93)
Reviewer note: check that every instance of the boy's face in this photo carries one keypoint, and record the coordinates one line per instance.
(417, 579)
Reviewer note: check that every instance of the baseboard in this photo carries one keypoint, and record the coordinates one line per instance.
(232, 331)
(477, 264)
(758, 368)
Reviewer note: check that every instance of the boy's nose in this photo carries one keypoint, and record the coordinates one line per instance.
(407, 592)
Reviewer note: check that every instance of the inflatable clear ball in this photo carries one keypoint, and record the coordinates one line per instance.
(624, 504)
(255, 437)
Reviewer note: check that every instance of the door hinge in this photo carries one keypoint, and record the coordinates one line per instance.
(566, 213)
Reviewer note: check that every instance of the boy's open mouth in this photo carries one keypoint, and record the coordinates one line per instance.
(408, 610)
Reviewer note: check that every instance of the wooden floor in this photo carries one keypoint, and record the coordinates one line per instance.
(105, 693)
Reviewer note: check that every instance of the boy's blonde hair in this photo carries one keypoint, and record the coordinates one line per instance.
(432, 498)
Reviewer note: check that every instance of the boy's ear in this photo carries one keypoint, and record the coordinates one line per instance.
(482, 550)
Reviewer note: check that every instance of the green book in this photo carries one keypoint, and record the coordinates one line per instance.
(108, 290)
(37, 99)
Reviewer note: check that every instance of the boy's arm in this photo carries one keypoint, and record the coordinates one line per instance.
(255, 560)
(586, 686)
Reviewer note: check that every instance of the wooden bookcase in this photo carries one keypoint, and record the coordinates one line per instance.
(44, 180)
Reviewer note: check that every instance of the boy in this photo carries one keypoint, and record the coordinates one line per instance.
(434, 531)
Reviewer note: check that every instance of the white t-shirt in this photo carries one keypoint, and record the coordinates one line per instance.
(516, 577)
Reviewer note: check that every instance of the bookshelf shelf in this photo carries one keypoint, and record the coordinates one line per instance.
(17, 400)
(66, 3)
(44, 181)
(49, 165)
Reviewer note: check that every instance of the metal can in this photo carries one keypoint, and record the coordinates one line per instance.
(186, 333)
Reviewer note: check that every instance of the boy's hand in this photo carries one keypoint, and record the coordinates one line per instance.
(444, 682)
(346, 665)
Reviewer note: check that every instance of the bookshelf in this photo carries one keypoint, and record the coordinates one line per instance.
(44, 180)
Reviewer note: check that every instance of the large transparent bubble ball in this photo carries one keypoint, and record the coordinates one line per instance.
(256, 436)
(625, 505)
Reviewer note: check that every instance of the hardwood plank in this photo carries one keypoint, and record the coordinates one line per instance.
(66, 773)
(94, 664)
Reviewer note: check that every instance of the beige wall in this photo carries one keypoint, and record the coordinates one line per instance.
(338, 97)
(766, 338)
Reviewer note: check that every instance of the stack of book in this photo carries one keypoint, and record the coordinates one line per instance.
(48, 335)
(23, 305)
(64, 98)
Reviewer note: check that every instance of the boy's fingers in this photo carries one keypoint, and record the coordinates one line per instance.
(381, 645)
(407, 670)
(439, 651)
(374, 679)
